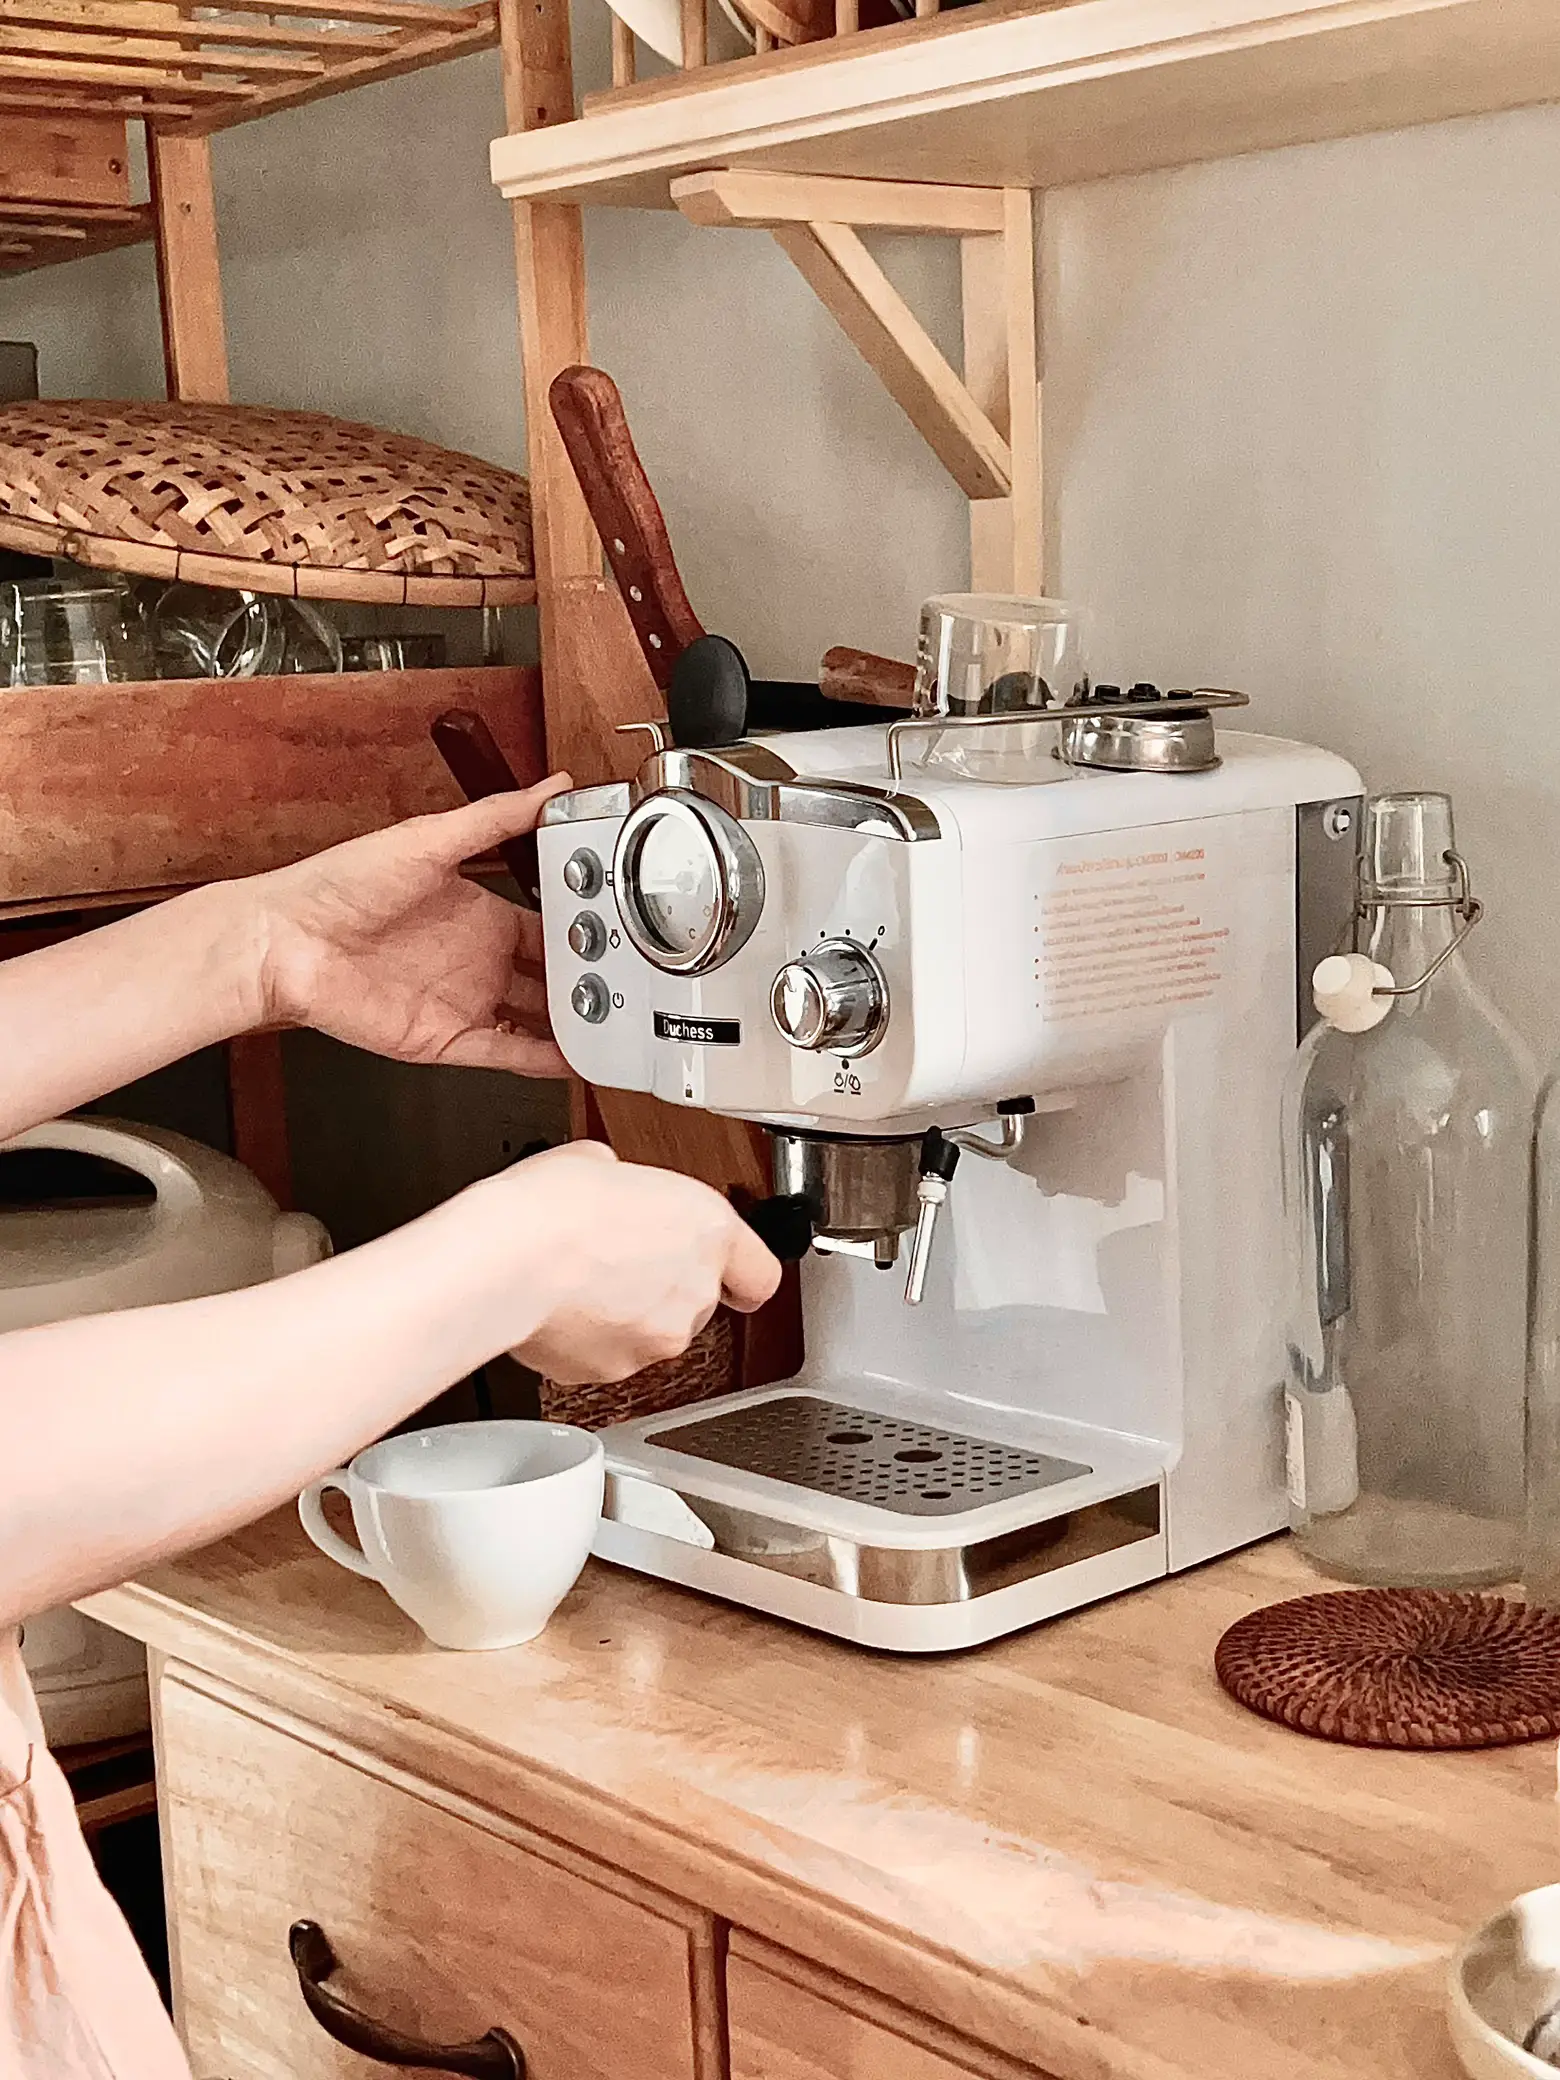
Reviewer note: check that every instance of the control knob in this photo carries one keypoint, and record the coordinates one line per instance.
(833, 998)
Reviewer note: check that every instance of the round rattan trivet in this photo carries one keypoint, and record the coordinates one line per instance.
(1399, 1668)
(263, 500)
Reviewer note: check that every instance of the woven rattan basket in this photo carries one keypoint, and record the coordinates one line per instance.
(707, 1367)
(267, 501)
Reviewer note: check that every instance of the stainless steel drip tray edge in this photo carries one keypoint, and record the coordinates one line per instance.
(637, 1510)
(863, 1492)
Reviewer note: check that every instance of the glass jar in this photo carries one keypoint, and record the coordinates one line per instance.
(70, 632)
(982, 655)
(1407, 1168)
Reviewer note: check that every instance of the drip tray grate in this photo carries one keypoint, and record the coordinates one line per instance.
(860, 1455)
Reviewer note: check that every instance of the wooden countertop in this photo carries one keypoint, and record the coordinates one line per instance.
(1071, 1845)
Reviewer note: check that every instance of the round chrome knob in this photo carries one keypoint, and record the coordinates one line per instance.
(588, 936)
(833, 999)
(591, 999)
(583, 874)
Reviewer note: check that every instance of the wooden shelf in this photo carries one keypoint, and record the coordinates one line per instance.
(40, 234)
(118, 795)
(141, 58)
(991, 96)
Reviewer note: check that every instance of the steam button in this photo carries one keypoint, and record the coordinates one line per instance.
(588, 936)
(582, 874)
(591, 999)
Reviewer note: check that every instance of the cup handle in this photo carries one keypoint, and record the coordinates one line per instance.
(312, 1515)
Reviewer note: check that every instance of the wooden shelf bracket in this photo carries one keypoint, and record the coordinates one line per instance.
(983, 425)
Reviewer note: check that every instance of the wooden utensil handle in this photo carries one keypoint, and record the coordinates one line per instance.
(589, 413)
(861, 675)
(465, 743)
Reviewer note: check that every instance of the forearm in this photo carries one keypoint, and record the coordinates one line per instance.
(132, 1436)
(100, 1010)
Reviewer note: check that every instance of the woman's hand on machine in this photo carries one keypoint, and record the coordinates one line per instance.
(623, 1264)
(383, 943)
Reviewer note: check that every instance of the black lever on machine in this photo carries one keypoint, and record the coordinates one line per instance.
(707, 695)
(465, 743)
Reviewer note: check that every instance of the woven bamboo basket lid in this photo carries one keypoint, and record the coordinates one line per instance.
(263, 501)
(1399, 1668)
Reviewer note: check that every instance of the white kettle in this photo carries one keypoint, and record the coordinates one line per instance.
(211, 1227)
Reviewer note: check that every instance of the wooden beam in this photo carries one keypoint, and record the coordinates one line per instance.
(740, 196)
(1000, 372)
(1028, 573)
(257, 1111)
(695, 34)
(44, 159)
(67, 46)
(120, 73)
(401, 14)
(625, 63)
(593, 675)
(21, 101)
(885, 331)
(103, 18)
(189, 273)
(457, 36)
(550, 267)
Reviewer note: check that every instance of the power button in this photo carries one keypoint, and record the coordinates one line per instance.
(590, 999)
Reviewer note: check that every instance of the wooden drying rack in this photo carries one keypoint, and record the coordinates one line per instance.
(225, 777)
(73, 73)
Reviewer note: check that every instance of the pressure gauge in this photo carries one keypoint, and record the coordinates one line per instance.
(689, 883)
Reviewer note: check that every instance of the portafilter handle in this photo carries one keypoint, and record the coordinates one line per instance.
(784, 1224)
(939, 1160)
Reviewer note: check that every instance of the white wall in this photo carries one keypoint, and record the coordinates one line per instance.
(1303, 421)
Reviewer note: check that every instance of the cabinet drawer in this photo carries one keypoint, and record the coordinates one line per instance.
(442, 1929)
(793, 2021)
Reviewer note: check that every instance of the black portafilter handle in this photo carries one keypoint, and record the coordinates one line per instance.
(783, 1223)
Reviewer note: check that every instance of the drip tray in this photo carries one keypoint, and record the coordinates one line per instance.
(861, 1455)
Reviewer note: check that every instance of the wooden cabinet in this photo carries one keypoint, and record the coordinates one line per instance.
(446, 1921)
(793, 2021)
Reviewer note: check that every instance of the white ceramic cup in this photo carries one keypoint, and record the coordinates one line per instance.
(477, 1530)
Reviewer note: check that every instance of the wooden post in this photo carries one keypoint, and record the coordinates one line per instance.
(189, 275)
(189, 281)
(257, 1111)
(538, 74)
(593, 676)
(1001, 373)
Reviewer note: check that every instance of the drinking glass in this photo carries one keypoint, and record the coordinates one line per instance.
(67, 632)
(206, 632)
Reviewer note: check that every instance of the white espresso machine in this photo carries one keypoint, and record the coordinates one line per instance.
(1082, 984)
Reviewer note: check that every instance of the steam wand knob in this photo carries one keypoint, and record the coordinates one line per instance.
(939, 1160)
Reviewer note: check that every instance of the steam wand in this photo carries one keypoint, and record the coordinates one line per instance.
(939, 1160)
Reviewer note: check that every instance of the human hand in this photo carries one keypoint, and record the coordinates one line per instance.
(625, 1264)
(383, 943)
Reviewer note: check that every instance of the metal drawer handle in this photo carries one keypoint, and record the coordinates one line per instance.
(494, 2057)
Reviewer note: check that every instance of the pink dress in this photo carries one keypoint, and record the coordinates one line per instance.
(76, 2000)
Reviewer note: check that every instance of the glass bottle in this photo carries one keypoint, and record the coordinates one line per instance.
(1407, 1181)
(1541, 1571)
